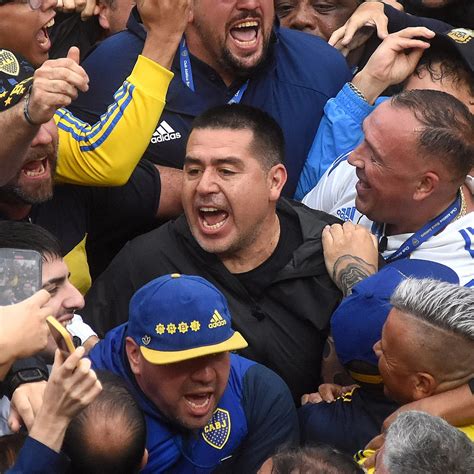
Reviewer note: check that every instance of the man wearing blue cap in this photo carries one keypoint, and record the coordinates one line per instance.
(205, 408)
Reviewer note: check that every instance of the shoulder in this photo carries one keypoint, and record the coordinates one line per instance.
(308, 61)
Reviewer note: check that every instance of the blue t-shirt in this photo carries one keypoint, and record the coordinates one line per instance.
(301, 72)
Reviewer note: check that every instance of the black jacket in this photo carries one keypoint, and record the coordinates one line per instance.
(286, 328)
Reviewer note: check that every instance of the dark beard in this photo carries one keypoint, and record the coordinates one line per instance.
(15, 195)
(237, 68)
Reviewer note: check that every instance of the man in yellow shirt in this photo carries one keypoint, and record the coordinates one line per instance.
(106, 153)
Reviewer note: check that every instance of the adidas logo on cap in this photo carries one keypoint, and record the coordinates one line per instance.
(164, 133)
(216, 320)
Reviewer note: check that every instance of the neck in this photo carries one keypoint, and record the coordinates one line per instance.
(15, 212)
(197, 49)
(256, 252)
(419, 218)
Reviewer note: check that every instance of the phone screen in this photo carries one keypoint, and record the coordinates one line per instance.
(20, 275)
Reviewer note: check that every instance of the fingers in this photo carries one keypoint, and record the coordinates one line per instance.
(73, 361)
(22, 413)
(40, 298)
(311, 398)
(376, 443)
(89, 9)
(381, 25)
(74, 54)
(337, 36)
(14, 420)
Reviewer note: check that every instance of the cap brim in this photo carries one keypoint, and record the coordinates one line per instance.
(170, 357)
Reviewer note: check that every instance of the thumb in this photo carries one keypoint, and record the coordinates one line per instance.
(58, 359)
(40, 298)
(74, 54)
(14, 420)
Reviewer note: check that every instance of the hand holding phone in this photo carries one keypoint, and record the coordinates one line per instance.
(61, 336)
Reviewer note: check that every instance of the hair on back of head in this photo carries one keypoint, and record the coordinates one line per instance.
(417, 442)
(26, 236)
(447, 132)
(268, 142)
(322, 459)
(444, 64)
(109, 435)
(443, 305)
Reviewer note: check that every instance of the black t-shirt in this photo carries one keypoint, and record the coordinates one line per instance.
(255, 281)
(93, 223)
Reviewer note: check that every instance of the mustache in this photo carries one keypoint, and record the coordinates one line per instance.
(211, 201)
(244, 15)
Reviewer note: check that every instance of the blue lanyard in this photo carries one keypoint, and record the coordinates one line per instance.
(431, 228)
(187, 73)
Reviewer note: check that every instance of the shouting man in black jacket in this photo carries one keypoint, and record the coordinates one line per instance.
(262, 251)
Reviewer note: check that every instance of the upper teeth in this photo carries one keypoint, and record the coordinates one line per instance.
(208, 209)
(247, 24)
(50, 23)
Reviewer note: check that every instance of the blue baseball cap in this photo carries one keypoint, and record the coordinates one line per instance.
(180, 317)
(357, 323)
(16, 76)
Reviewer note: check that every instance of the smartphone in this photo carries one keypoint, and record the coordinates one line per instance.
(20, 275)
(60, 335)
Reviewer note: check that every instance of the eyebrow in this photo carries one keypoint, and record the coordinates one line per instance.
(229, 160)
(56, 281)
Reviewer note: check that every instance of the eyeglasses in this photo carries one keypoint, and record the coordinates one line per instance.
(34, 4)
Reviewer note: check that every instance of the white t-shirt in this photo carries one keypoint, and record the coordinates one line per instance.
(335, 194)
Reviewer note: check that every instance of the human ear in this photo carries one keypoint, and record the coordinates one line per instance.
(426, 186)
(424, 385)
(103, 16)
(277, 177)
(133, 354)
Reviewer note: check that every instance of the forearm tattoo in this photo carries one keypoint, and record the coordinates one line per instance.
(354, 269)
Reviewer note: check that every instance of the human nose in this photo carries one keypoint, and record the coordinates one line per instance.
(302, 18)
(74, 299)
(48, 5)
(207, 183)
(42, 137)
(377, 349)
(355, 157)
(204, 374)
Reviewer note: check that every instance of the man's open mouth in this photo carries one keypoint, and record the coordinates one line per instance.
(212, 218)
(43, 35)
(245, 33)
(199, 403)
(35, 169)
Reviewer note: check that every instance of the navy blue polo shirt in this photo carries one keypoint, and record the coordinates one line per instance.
(301, 72)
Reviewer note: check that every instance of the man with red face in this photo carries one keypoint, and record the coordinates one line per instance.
(232, 51)
(205, 408)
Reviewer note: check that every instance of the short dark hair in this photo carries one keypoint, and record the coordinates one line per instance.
(448, 132)
(268, 141)
(23, 235)
(442, 63)
(306, 460)
(10, 446)
(109, 435)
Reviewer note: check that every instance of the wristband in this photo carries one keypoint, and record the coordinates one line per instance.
(471, 385)
(357, 91)
(24, 371)
(78, 328)
(26, 104)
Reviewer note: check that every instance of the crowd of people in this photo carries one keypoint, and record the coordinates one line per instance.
(254, 220)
